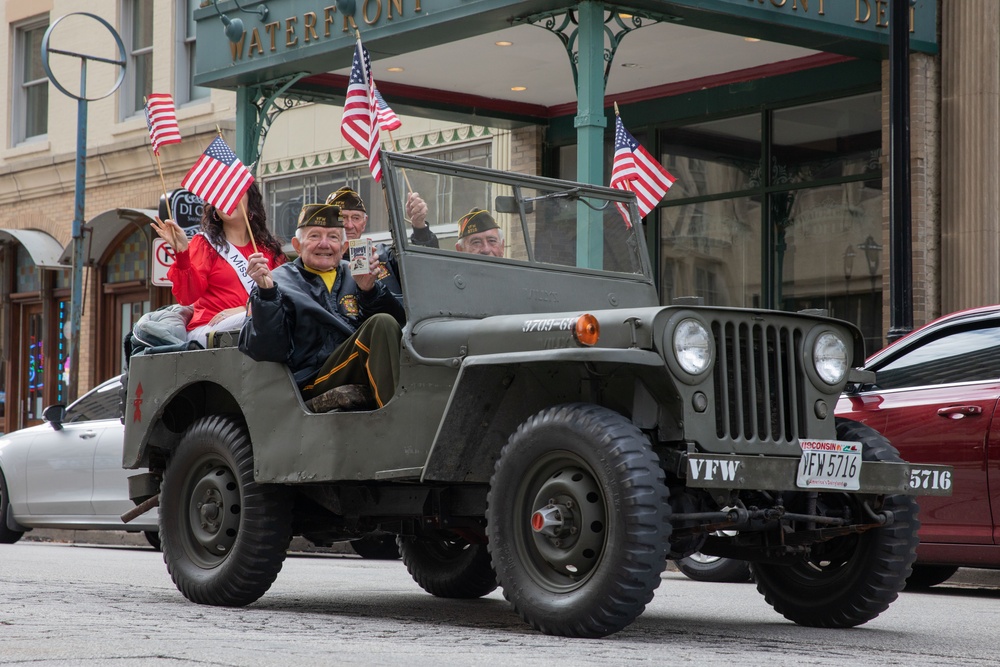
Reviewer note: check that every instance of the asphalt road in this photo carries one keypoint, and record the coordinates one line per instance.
(64, 604)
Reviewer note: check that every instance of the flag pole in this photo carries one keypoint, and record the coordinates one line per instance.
(246, 219)
(243, 210)
(159, 168)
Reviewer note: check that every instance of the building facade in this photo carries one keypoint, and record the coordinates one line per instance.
(772, 114)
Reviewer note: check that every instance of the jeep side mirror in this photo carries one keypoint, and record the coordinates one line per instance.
(54, 414)
(506, 204)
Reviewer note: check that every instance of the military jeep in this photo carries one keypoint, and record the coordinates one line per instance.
(555, 431)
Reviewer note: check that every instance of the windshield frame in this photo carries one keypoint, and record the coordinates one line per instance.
(393, 191)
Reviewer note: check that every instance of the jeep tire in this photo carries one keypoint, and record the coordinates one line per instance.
(448, 566)
(224, 536)
(578, 521)
(852, 579)
(377, 546)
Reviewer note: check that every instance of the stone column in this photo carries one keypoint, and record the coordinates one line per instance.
(970, 153)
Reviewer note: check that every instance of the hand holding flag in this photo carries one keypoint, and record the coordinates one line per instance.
(636, 170)
(161, 119)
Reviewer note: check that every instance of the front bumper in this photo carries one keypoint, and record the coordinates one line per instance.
(778, 473)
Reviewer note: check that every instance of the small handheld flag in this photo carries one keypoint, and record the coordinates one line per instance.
(161, 119)
(218, 177)
(636, 170)
(360, 122)
(387, 118)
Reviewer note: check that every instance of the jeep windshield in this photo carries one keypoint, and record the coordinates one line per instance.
(537, 221)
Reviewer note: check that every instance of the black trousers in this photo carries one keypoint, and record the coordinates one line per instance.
(370, 356)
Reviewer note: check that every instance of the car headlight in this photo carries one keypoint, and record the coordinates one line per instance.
(830, 357)
(692, 346)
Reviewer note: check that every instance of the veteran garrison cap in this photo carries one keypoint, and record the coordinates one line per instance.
(347, 199)
(475, 221)
(320, 215)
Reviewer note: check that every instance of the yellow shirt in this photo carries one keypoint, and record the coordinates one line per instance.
(329, 277)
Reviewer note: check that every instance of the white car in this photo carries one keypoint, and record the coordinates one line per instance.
(67, 473)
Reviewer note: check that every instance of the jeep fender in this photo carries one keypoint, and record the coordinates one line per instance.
(494, 393)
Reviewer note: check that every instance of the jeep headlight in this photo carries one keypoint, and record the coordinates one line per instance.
(692, 346)
(830, 357)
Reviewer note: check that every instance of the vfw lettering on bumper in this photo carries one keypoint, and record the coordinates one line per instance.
(708, 470)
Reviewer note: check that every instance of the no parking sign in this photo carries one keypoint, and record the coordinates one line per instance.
(163, 257)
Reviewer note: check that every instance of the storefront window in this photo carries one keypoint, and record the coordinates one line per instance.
(829, 139)
(713, 158)
(35, 343)
(805, 234)
(711, 250)
(829, 254)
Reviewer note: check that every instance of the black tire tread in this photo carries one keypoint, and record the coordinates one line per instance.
(264, 534)
(925, 576)
(467, 576)
(878, 583)
(646, 504)
(723, 571)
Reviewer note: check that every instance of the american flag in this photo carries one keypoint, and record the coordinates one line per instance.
(636, 170)
(360, 122)
(218, 177)
(387, 118)
(161, 119)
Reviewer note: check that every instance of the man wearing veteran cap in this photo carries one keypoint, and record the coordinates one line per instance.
(338, 334)
(355, 217)
(479, 233)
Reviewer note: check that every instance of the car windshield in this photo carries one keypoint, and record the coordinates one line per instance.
(528, 220)
(101, 402)
(961, 355)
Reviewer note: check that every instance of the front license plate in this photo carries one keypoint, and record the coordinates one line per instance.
(830, 464)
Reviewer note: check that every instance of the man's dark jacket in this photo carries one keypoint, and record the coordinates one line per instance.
(299, 322)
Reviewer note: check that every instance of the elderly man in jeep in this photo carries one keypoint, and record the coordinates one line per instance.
(338, 333)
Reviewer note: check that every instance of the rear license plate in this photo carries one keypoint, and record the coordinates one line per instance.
(830, 464)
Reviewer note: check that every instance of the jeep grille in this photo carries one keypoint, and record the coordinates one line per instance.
(758, 382)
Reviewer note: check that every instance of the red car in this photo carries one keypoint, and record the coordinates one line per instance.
(935, 397)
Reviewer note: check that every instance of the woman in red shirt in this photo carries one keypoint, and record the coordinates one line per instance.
(209, 271)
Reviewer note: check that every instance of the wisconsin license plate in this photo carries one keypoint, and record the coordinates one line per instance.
(830, 464)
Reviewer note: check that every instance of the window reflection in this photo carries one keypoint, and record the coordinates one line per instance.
(714, 157)
(712, 250)
(823, 243)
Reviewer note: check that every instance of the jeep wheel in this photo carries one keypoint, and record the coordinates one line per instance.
(153, 537)
(376, 547)
(702, 567)
(578, 521)
(224, 535)
(925, 576)
(449, 567)
(852, 579)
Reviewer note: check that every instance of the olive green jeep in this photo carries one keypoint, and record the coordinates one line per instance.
(555, 432)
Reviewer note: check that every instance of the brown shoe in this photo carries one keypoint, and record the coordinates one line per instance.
(344, 397)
